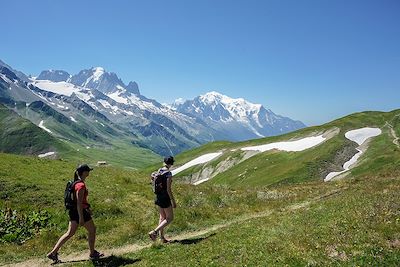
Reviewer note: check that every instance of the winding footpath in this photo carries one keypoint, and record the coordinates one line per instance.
(132, 248)
(393, 134)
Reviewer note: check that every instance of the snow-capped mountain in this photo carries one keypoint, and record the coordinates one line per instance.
(115, 110)
(236, 119)
(159, 128)
(106, 82)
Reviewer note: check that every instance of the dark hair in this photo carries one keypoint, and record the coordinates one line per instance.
(76, 177)
(81, 168)
(77, 174)
(169, 160)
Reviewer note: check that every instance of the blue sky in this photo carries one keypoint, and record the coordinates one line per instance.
(309, 60)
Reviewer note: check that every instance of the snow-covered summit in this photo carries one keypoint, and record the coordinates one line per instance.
(94, 78)
(97, 73)
(247, 120)
(238, 108)
(224, 117)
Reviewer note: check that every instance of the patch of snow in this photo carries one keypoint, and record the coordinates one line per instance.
(64, 88)
(41, 125)
(100, 123)
(201, 181)
(119, 87)
(61, 88)
(84, 95)
(179, 101)
(255, 131)
(116, 96)
(199, 160)
(105, 104)
(144, 105)
(289, 146)
(359, 136)
(98, 71)
(46, 154)
(62, 107)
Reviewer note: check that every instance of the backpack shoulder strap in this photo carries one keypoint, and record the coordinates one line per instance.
(75, 183)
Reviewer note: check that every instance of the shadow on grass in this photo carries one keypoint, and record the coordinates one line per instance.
(191, 241)
(111, 261)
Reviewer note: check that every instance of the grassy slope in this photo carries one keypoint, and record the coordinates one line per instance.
(122, 202)
(119, 153)
(274, 167)
(359, 226)
(20, 136)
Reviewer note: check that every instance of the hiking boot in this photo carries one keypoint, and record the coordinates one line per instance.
(96, 255)
(53, 257)
(153, 235)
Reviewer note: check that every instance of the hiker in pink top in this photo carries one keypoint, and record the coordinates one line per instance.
(79, 214)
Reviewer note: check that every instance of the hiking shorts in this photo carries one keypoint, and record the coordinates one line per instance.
(163, 201)
(74, 216)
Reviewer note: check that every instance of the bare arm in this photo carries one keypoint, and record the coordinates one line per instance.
(169, 190)
(79, 200)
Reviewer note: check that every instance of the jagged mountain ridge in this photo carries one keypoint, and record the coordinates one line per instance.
(230, 119)
(149, 124)
(228, 114)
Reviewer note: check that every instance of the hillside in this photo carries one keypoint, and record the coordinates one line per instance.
(250, 168)
(271, 217)
(95, 107)
(20, 136)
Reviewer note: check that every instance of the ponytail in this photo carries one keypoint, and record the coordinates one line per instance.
(76, 176)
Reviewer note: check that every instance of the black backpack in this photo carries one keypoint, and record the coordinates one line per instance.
(69, 195)
(159, 181)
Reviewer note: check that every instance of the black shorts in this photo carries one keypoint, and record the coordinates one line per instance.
(74, 216)
(163, 201)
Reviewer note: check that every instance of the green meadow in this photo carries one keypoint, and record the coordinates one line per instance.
(272, 209)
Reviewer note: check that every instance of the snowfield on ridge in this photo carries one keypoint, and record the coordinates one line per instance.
(359, 136)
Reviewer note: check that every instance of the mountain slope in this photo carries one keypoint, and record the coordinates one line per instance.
(350, 222)
(20, 136)
(152, 125)
(101, 103)
(70, 119)
(245, 168)
(54, 75)
(170, 130)
(236, 119)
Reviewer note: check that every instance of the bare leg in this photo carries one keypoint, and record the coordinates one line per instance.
(91, 228)
(73, 225)
(169, 216)
(162, 218)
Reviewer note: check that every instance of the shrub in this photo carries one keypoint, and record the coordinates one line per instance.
(16, 227)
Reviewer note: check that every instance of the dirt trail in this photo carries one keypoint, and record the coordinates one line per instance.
(79, 257)
(393, 134)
